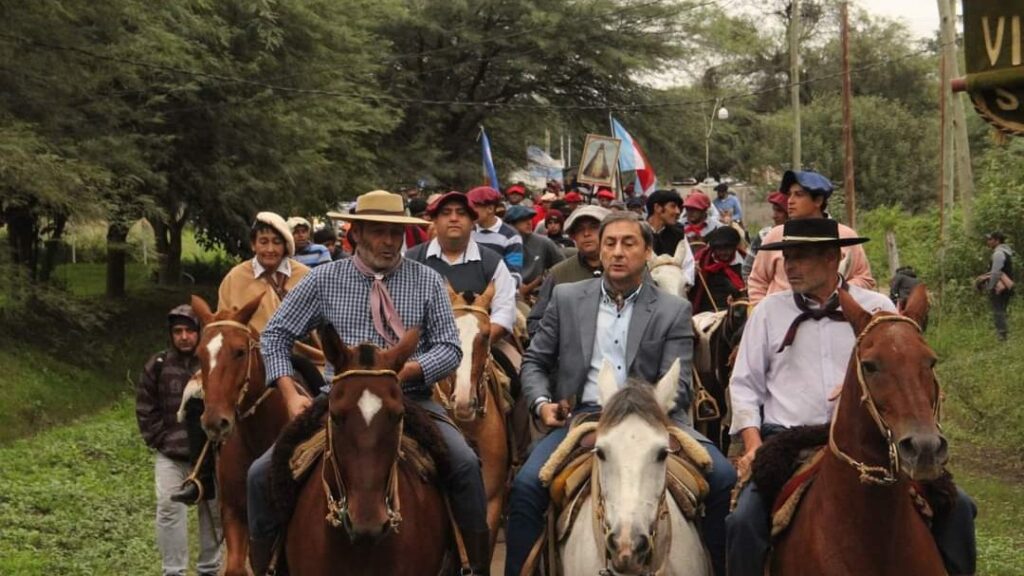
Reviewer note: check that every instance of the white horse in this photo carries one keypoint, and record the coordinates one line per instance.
(642, 531)
(674, 274)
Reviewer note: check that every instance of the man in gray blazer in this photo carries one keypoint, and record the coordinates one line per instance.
(640, 331)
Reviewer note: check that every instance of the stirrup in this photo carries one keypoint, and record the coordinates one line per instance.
(199, 486)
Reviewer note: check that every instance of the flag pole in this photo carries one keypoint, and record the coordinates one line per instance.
(617, 181)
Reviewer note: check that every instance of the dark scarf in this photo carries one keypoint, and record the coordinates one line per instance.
(830, 310)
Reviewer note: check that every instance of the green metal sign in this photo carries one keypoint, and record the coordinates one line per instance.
(994, 53)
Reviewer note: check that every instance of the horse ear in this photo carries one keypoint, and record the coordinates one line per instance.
(667, 387)
(399, 353)
(202, 309)
(453, 296)
(857, 316)
(334, 349)
(245, 313)
(484, 300)
(917, 304)
(607, 385)
(682, 249)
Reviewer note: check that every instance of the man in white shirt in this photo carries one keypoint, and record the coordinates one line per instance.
(465, 264)
(794, 353)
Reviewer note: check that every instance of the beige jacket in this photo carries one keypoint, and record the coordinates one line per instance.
(241, 286)
(768, 275)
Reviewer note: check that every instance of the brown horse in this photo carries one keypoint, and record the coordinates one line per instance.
(715, 349)
(363, 510)
(858, 517)
(469, 397)
(236, 398)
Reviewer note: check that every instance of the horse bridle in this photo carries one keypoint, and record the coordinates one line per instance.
(877, 475)
(602, 528)
(252, 344)
(337, 508)
(448, 400)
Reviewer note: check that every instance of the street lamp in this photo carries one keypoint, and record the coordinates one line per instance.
(722, 113)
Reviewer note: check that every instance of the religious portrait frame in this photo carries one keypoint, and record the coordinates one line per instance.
(599, 161)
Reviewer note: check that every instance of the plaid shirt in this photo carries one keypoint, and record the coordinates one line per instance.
(338, 294)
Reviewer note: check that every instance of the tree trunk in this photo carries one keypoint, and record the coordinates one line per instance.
(53, 248)
(168, 247)
(117, 259)
(22, 236)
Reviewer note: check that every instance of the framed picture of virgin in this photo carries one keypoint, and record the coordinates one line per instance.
(599, 160)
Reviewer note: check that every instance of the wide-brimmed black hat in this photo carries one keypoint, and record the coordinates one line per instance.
(811, 232)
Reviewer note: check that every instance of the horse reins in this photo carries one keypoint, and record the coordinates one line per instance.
(601, 526)
(253, 344)
(877, 475)
(337, 508)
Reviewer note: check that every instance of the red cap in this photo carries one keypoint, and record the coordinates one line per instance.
(605, 193)
(697, 201)
(573, 197)
(779, 199)
(453, 197)
(515, 189)
(484, 195)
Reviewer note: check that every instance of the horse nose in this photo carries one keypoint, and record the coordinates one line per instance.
(217, 427)
(641, 545)
(923, 455)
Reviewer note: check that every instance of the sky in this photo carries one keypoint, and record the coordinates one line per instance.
(922, 16)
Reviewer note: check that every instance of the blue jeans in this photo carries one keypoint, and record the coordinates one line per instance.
(529, 501)
(464, 484)
(749, 535)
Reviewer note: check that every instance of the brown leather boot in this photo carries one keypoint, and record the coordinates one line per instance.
(478, 549)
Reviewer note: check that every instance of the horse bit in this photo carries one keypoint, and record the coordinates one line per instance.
(877, 475)
(337, 508)
(253, 344)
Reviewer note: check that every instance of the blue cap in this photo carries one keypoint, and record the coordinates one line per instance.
(518, 212)
(813, 182)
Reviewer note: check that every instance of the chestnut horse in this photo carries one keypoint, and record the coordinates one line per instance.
(469, 398)
(364, 511)
(236, 398)
(858, 517)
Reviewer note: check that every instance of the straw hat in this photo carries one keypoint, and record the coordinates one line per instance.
(379, 206)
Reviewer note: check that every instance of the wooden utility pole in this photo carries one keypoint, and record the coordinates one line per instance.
(848, 177)
(946, 104)
(794, 78)
(955, 108)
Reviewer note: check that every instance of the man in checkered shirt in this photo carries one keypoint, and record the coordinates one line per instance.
(344, 294)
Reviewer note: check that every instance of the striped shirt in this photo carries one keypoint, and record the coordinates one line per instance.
(505, 241)
(338, 294)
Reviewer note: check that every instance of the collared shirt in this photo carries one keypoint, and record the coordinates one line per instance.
(503, 306)
(609, 342)
(338, 294)
(730, 203)
(506, 241)
(285, 267)
(794, 385)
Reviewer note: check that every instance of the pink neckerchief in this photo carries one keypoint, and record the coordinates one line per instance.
(382, 307)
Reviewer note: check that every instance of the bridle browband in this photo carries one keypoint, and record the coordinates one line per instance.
(877, 475)
(337, 508)
(447, 400)
(252, 344)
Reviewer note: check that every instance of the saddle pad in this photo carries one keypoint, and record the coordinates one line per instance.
(704, 325)
(788, 500)
(309, 452)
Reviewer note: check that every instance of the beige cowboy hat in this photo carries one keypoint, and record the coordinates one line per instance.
(379, 206)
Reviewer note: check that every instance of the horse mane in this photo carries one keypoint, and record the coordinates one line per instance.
(365, 355)
(418, 425)
(662, 259)
(635, 398)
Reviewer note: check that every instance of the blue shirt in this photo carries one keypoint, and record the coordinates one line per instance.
(609, 342)
(338, 294)
(313, 255)
(731, 203)
(505, 241)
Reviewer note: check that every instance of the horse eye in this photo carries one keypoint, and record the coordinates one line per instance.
(239, 353)
(662, 454)
(869, 366)
(599, 453)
